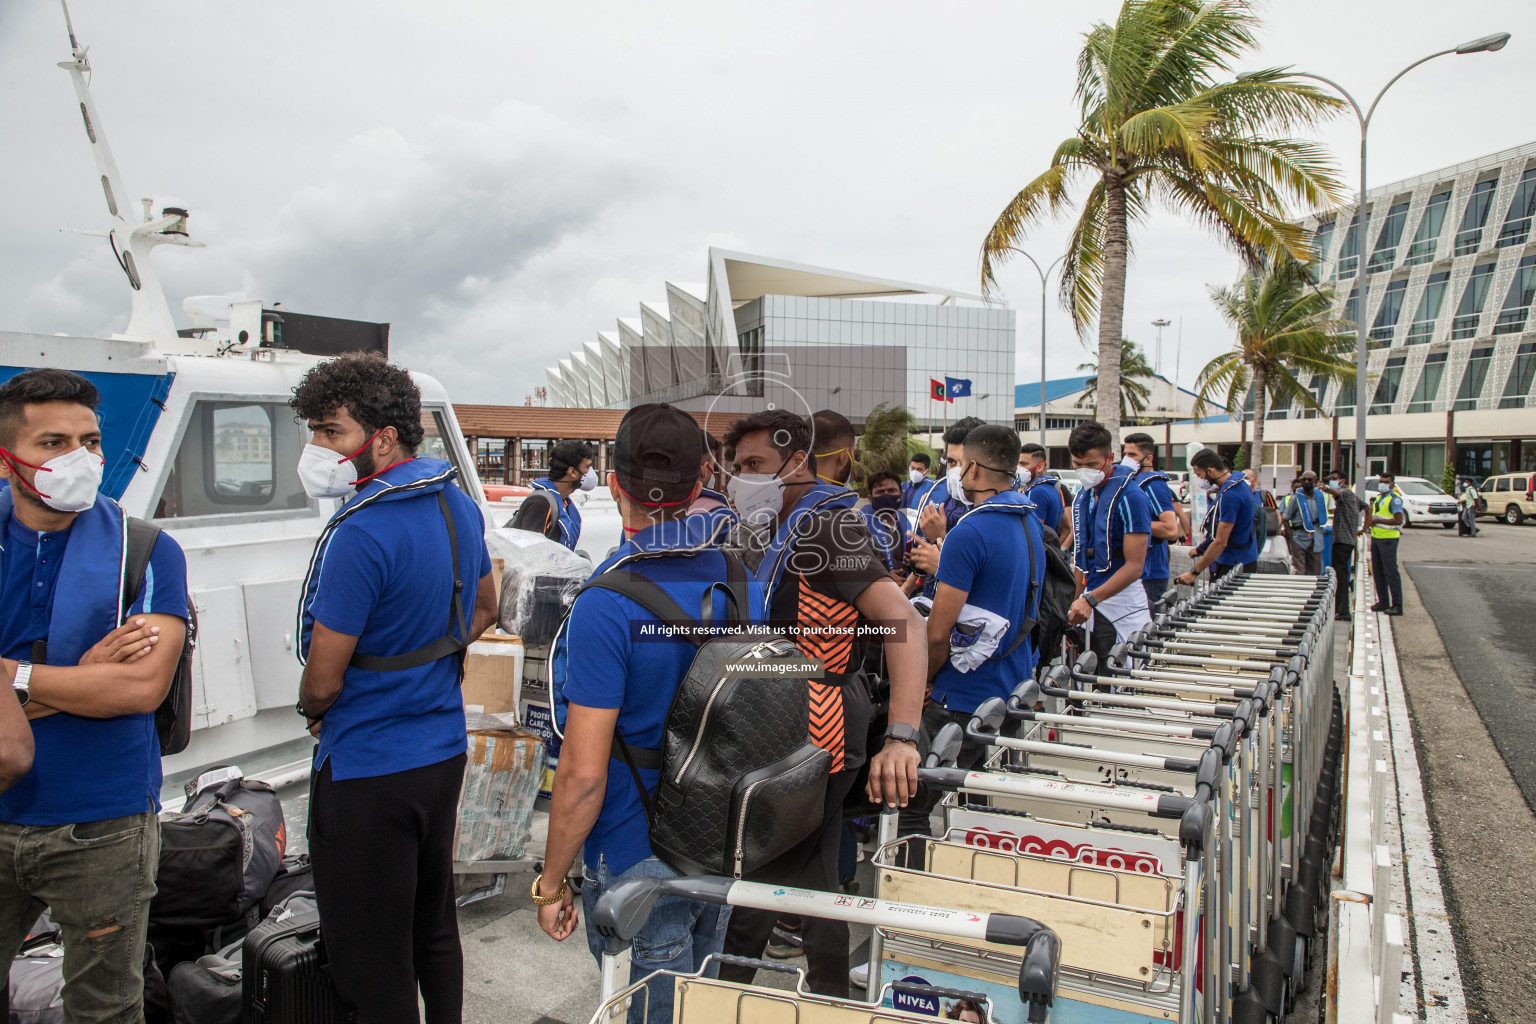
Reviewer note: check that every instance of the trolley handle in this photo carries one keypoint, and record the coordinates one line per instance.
(1062, 675)
(731, 960)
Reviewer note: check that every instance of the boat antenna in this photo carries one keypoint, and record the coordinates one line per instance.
(130, 242)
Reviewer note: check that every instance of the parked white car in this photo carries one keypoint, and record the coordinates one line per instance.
(1425, 503)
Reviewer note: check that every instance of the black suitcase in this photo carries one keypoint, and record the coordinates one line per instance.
(284, 976)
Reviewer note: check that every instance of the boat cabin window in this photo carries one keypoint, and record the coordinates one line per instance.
(434, 446)
(235, 457)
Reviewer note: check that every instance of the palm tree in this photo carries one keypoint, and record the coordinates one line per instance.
(1157, 126)
(1134, 369)
(1285, 326)
(886, 442)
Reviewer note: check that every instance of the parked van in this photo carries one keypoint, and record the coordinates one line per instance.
(1510, 496)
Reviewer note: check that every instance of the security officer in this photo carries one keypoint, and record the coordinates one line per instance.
(1386, 522)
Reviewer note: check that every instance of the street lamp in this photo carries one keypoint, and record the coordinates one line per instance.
(1157, 359)
(1044, 275)
(1483, 44)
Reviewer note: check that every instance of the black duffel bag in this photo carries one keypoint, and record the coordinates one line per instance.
(218, 854)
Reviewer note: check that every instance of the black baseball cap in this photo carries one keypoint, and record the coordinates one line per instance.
(657, 452)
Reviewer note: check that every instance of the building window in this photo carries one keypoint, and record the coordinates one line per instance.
(1322, 238)
(1427, 238)
(1386, 388)
(1319, 389)
(1386, 242)
(1425, 460)
(1386, 316)
(1423, 326)
(1471, 234)
(1344, 405)
(1517, 223)
(1352, 308)
(1520, 376)
(1472, 380)
(1348, 260)
(1472, 301)
(1428, 387)
(1517, 304)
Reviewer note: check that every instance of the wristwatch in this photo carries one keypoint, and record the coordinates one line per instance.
(901, 731)
(22, 684)
(1093, 602)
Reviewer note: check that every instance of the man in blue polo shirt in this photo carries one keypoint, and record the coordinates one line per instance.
(1111, 524)
(399, 584)
(550, 509)
(919, 483)
(988, 592)
(1043, 489)
(609, 680)
(1162, 507)
(78, 832)
(1230, 541)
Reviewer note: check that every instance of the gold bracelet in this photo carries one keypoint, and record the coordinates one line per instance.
(546, 901)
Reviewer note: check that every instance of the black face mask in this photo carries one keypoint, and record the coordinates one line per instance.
(885, 502)
(1308, 486)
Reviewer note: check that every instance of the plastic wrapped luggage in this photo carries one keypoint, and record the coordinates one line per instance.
(539, 583)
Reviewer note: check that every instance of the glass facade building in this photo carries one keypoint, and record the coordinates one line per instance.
(766, 333)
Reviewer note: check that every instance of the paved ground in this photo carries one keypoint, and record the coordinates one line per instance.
(1467, 644)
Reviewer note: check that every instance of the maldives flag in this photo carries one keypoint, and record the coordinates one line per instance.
(936, 391)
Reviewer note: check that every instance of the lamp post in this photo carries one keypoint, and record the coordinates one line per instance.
(1157, 358)
(1483, 44)
(1044, 276)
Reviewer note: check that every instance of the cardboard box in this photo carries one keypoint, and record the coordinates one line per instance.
(493, 674)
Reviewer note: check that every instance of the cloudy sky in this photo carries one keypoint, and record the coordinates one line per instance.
(499, 180)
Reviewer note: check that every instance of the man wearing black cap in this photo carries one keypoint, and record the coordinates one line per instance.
(607, 680)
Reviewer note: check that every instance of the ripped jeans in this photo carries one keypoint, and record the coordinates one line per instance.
(98, 878)
(677, 936)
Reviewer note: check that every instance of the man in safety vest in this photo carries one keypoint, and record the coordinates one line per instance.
(1385, 519)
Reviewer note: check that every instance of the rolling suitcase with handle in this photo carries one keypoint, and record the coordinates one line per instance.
(285, 977)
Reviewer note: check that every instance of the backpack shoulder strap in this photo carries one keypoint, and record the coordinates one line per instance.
(457, 638)
(142, 537)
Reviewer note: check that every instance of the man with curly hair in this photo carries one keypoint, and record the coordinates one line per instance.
(399, 584)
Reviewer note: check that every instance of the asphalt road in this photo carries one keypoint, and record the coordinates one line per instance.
(1466, 645)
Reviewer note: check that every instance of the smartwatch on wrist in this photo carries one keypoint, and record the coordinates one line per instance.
(22, 684)
(901, 731)
(1093, 602)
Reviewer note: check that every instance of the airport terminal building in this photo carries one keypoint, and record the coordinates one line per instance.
(1451, 274)
(802, 338)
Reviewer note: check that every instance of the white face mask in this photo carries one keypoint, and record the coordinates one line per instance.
(324, 475)
(588, 480)
(1203, 485)
(1132, 463)
(916, 476)
(69, 482)
(1090, 477)
(757, 497)
(953, 485)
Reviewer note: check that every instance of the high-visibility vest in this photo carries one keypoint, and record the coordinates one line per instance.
(1381, 505)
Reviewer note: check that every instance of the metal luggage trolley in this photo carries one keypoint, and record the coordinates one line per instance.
(1221, 716)
(1128, 919)
(622, 910)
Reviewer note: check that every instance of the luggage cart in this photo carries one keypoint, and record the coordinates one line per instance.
(622, 911)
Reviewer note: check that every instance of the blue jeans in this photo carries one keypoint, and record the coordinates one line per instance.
(677, 937)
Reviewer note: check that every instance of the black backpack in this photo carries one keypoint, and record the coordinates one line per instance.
(1057, 592)
(173, 718)
(740, 780)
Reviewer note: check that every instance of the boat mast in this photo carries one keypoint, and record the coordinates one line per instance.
(131, 242)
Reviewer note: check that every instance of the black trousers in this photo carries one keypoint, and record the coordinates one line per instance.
(1341, 560)
(915, 818)
(1218, 571)
(1389, 585)
(809, 864)
(382, 849)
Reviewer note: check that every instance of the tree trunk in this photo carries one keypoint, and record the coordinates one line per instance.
(1112, 305)
(1260, 410)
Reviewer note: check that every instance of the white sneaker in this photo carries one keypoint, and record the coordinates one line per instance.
(859, 977)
